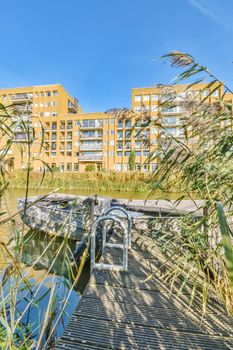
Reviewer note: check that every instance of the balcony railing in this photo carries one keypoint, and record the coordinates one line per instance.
(88, 157)
(94, 136)
(72, 107)
(90, 147)
(19, 108)
(21, 98)
(93, 126)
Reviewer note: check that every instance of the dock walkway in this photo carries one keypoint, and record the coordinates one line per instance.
(119, 310)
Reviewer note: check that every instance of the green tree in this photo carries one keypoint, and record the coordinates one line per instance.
(132, 157)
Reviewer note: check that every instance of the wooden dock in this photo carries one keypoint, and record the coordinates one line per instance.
(119, 310)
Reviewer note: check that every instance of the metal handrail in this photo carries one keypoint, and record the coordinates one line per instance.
(124, 246)
(128, 219)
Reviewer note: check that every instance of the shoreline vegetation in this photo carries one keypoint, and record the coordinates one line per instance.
(87, 181)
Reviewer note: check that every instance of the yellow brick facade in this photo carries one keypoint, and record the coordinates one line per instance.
(73, 140)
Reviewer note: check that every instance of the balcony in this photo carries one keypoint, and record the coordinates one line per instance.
(92, 158)
(94, 136)
(21, 98)
(89, 127)
(72, 108)
(22, 109)
(90, 147)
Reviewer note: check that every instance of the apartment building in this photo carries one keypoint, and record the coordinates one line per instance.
(68, 140)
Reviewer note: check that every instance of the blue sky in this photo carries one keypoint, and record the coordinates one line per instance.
(100, 49)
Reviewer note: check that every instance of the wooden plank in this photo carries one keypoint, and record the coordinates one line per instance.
(120, 310)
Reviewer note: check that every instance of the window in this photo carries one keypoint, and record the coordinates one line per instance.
(112, 132)
(146, 97)
(106, 133)
(69, 154)
(120, 134)
(119, 154)
(216, 93)
(41, 114)
(54, 126)
(35, 94)
(137, 153)
(77, 123)
(154, 97)
(54, 93)
(138, 144)
(54, 145)
(127, 154)
(170, 120)
(111, 154)
(41, 104)
(127, 133)
(41, 94)
(206, 93)
(62, 168)
(128, 123)
(112, 143)
(146, 153)
(54, 154)
(172, 131)
(137, 109)
(54, 103)
(105, 154)
(75, 166)
(54, 136)
(68, 166)
(105, 143)
(36, 105)
(120, 124)
(120, 145)
(54, 114)
(154, 108)
(138, 98)
(118, 167)
(48, 93)
(154, 166)
(47, 114)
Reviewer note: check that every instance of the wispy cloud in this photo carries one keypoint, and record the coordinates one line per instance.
(210, 14)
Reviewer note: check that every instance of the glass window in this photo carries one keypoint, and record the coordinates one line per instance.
(138, 98)
(137, 109)
(146, 153)
(138, 153)
(48, 93)
(146, 97)
(54, 114)
(54, 93)
(119, 154)
(75, 166)
(120, 124)
(68, 166)
(120, 134)
(154, 97)
(154, 108)
(54, 126)
(127, 154)
(128, 123)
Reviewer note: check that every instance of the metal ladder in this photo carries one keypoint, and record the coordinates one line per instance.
(116, 208)
(126, 238)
